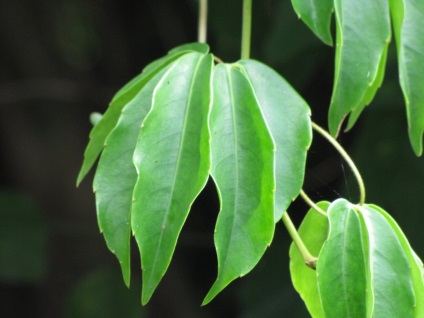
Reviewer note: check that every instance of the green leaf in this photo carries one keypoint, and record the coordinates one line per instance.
(341, 268)
(363, 33)
(243, 171)
(313, 231)
(372, 90)
(389, 268)
(165, 60)
(191, 47)
(408, 25)
(416, 265)
(172, 159)
(317, 16)
(116, 175)
(288, 119)
(102, 129)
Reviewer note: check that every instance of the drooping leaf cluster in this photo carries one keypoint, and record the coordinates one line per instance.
(185, 119)
(363, 34)
(365, 268)
(180, 121)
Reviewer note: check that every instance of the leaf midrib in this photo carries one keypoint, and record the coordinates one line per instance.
(236, 194)
(182, 139)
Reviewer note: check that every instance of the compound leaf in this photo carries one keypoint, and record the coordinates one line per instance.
(172, 159)
(288, 119)
(242, 154)
(408, 25)
(314, 232)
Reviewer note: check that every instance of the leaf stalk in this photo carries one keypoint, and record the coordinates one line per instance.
(311, 203)
(347, 158)
(309, 259)
(246, 29)
(203, 21)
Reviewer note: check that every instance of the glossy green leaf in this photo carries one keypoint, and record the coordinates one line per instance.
(341, 267)
(372, 90)
(243, 170)
(102, 129)
(317, 16)
(116, 176)
(172, 159)
(288, 119)
(408, 24)
(416, 265)
(363, 33)
(389, 268)
(314, 232)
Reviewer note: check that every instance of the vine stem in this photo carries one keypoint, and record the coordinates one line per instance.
(246, 29)
(346, 157)
(309, 259)
(311, 203)
(203, 20)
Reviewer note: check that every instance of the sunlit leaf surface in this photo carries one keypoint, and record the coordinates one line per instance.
(172, 159)
(116, 176)
(390, 266)
(362, 36)
(243, 170)
(102, 129)
(366, 267)
(288, 119)
(341, 269)
(415, 262)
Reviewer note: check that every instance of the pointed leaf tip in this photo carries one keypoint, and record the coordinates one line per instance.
(362, 30)
(408, 26)
(243, 171)
(116, 176)
(172, 158)
(316, 14)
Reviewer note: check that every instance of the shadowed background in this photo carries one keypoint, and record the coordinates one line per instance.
(61, 60)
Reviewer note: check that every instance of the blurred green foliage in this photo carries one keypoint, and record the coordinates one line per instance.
(101, 294)
(23, 240)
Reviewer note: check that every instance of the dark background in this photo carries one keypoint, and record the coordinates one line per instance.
(61, 60)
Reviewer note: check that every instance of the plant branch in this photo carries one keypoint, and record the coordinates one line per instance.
(246, 29)
(217, 59)
(203, 20)
(311, 203)
(347, 158)
(309, 259)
